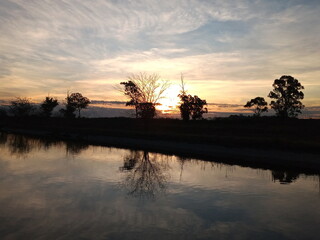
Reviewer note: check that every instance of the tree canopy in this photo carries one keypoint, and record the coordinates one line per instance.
(48, 105)
(259, 104)
(21, 107)
(191, 106)
(75, 101)
(287, 94)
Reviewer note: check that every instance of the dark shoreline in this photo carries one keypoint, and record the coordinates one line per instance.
(264, 158)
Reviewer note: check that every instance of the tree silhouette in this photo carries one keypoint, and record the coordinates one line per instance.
(70, 109)
(191, 106)
(146, 110)
(75, 101)
(68, 112)
(79, 102)
(48, 105)
(198, 108)
(287, 97)
(21, 107)
(259, 104)
(185, 106)
(144, 91)
(132, 91)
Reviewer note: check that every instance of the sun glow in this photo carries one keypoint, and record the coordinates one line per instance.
(170, 101)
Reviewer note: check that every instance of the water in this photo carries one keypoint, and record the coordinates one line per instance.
(57, 190)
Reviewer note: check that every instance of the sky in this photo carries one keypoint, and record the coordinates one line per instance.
(228, 51)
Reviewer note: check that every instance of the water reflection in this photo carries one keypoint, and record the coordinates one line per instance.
(3, 138)
(21, 145)
(40, 198)
(284, 177)
(146, 174)
(75, 148)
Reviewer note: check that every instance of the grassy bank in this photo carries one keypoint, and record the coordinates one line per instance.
(267, 143)
(298, 135)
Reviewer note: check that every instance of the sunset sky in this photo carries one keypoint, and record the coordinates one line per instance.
(228, 51)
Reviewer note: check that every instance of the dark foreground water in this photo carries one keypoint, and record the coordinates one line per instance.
(57, 190)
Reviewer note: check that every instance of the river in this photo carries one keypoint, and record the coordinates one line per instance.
(68, 190)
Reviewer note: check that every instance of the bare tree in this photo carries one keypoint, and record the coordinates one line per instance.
(144, 92)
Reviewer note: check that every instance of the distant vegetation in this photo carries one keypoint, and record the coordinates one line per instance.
(144, 92)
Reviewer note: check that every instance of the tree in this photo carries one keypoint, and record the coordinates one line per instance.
(185, 106)
(132, 91)
(78, 101)
(48, 105)
(75, 101)
(191, 106)
(21, 107)
(68, 112)
(70, 109)
(288, 95)
(198, 109)
(259, 104)
(144, 91)
(146, 110)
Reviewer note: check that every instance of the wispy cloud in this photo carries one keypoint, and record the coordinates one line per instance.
(229, 51)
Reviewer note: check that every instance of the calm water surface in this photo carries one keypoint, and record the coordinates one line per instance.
(57, 190)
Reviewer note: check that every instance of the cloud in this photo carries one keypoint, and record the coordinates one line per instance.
(228, 50)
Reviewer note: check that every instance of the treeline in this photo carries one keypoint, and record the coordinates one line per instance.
(144, 92)
(23, 107)
(286, 94)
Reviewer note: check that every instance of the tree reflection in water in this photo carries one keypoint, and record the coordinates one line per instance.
(146, 174)
(284, 177)
(75, 148)
(19, 145)
(3, 138)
